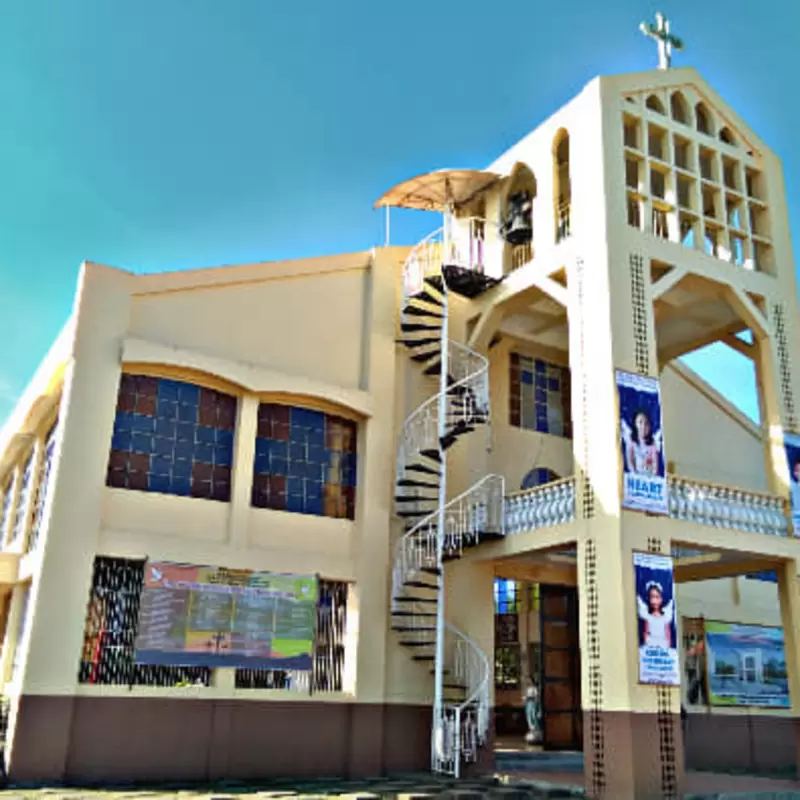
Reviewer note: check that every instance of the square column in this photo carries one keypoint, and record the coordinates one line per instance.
(69, 534)
(789, 599)
(632, 740)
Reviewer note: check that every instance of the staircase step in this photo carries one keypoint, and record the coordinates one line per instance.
(421, 585)
(433, 455)
(422, 311)
(422, 468)
(407, 599)
(413, 327)
(431, 570)
(414, 614)
(421, 358)
(431, 294)
(410, 514)
(411, 482)
(407, 498)
(423, 658)
(454, 686)
(406, 628)
(419, 644)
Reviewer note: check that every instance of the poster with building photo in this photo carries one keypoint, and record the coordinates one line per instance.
(659, 660)
(746, 665)
(792, 445)
(644, 486)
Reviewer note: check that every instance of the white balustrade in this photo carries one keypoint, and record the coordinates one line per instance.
(541, 507)
(470, 243)
(727, 507)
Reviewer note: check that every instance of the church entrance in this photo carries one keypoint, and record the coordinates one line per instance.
(560, 688)
(537, 647)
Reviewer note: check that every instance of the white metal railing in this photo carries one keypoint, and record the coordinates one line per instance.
(541, 507)
(471, 243)
(467, 402)
(727, 507)
(463, 727)
(476, 511)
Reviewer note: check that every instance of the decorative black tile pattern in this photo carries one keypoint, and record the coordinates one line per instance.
(641, 337)
(587, 488)
(784, 366)
(596, 771)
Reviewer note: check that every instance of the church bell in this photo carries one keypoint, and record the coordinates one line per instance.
(518, 225)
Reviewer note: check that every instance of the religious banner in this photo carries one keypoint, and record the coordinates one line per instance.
(746, 666)
(644, 486)
(792, 444)
(659, 660)
(214, 617)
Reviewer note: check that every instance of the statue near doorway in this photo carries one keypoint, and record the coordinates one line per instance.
(533, 715)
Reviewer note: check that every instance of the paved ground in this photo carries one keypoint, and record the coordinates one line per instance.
(516, 786)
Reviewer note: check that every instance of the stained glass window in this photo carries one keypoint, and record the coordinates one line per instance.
(42, 486)
(23, 499)
(305, 462)
(540, 396)
(537, 477)
(172, 437)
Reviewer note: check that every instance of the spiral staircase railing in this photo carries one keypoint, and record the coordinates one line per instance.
(437, 529)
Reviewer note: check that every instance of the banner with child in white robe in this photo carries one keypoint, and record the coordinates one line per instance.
(659, 659)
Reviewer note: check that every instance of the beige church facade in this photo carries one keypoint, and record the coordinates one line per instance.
(371, 417)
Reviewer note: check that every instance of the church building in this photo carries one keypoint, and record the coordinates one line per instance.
(502, 512)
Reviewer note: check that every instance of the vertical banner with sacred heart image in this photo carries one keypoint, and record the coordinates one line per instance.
(644, 473)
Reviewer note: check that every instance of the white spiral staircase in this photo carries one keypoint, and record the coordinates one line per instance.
(438, 529)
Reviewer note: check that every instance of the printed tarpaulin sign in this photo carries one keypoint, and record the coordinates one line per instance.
(746, 665)
(792, 445)
(659, 660)
(644, 486)
(195, 616)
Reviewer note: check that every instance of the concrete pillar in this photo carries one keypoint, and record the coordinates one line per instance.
(789, 599)
(242, 472)
(69, 535)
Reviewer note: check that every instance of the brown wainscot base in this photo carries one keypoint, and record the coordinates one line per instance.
(753, 744)
(629, 755)
(87, 740)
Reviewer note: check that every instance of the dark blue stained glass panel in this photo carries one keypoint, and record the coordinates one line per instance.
(546, 409)
(770, 577)
(305, 462)
(172, 437)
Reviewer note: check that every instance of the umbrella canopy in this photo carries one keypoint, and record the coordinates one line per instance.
(434, 191)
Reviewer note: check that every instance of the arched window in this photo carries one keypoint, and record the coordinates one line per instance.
(655, 104)
(516, 226)
(679, 108)
(537, 477)
(562, 192)
(305, 462)
(703, 118)
(725, 135)
(172, 437)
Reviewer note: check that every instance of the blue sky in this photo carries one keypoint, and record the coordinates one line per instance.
(169, 134)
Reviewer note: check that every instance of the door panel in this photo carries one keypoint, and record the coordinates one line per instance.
(561, 671)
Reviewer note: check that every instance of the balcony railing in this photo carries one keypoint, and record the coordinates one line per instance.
(563, 221)
(690, 500)
(541, 507)
(726, 507)
(471, 243)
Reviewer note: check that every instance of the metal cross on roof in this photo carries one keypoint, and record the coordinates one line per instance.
(666, 41)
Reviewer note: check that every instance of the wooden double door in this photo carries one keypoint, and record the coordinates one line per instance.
(562, 716)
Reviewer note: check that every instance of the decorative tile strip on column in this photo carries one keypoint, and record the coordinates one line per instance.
(726, 507)
(541, 507)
